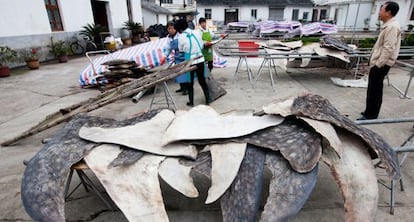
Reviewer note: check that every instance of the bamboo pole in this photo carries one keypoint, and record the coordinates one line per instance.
(120, 92)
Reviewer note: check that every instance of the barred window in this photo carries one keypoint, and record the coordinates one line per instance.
(295, 14)
(207, 13)
(254, 14)
(53, 13)
(412, 14)
(166, 1)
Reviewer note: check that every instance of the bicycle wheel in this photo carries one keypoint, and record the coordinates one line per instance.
(77, 49)
(90, 46)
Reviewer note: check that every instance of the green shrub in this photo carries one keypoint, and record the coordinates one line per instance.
(367, 42)
(408, 41)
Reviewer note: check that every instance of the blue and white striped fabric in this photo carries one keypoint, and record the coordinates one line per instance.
(147, 54)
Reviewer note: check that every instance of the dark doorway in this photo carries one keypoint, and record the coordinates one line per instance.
(315, 15)
(231, 15)
(99, 13)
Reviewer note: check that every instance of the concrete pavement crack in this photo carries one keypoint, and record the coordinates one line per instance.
(92, 217)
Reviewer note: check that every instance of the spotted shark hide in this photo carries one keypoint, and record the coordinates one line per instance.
(298, 143)
(203, 122)
(126, 157)
(135, 189)
(145, 136)
(178, 176)
(328, 132)
(226, 156)
(241, 201)
(201, 165)
(319, 108)
(355, 175)
(288, 189)
(43, 182)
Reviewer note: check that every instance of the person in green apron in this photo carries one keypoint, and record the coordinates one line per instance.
(207, 36)
(190, 43)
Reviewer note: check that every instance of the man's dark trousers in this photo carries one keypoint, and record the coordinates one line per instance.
(375, 91)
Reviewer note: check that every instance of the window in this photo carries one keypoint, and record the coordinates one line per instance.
(323, 14)
(295, 14)
(254, 14)
(166, 1)
(53, 13)
(412, 14)
(207, 13)
(305, 15)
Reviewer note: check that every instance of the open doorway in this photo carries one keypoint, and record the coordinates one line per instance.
(100, 15)
(231, 15)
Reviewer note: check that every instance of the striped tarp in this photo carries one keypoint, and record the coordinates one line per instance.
(275, 26)
(318, 27)
(147, 54)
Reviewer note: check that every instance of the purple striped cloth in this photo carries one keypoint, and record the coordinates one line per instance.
(267, 27)
(318, 27)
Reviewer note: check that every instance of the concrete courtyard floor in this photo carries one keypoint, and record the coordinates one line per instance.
(27, 97)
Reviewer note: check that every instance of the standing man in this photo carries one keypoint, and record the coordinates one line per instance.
(383, 56)
(207, 37)
(191, 45)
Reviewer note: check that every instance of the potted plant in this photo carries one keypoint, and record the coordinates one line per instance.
(410, 27)
(126, 36)
(7, 55)
(366, 24)
(93, 31)
(31, 57)
(60, 50)
(136, 29)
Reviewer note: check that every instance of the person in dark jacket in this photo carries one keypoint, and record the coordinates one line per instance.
(191, 45)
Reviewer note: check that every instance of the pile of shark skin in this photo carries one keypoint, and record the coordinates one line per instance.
(328, 46)
(232, 150)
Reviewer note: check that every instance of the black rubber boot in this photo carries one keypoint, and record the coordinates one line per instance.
(181, 89)
(190, 95)
(207, 96)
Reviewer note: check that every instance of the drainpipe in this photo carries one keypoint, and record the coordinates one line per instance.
(346, 17)
(356, 19)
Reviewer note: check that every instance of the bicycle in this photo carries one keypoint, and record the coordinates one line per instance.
(79, 47)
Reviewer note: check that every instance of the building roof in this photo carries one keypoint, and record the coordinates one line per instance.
(151, 6)
(270, 3)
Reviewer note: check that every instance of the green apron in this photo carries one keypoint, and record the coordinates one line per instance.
(207, 51)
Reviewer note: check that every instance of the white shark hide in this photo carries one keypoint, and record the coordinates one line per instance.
(145, 136)
(203, 122)
(135, 189)
(226, 160)
(178, 176)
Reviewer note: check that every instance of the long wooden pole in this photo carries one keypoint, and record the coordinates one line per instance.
(120, 92)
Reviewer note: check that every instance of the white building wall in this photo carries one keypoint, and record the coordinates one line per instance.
(117, 14)
(347, 10)
(137, 14)
(245, 13)
(150, 18)
(218, 12)
(28, 20)
(70, 11)
(287, 14)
